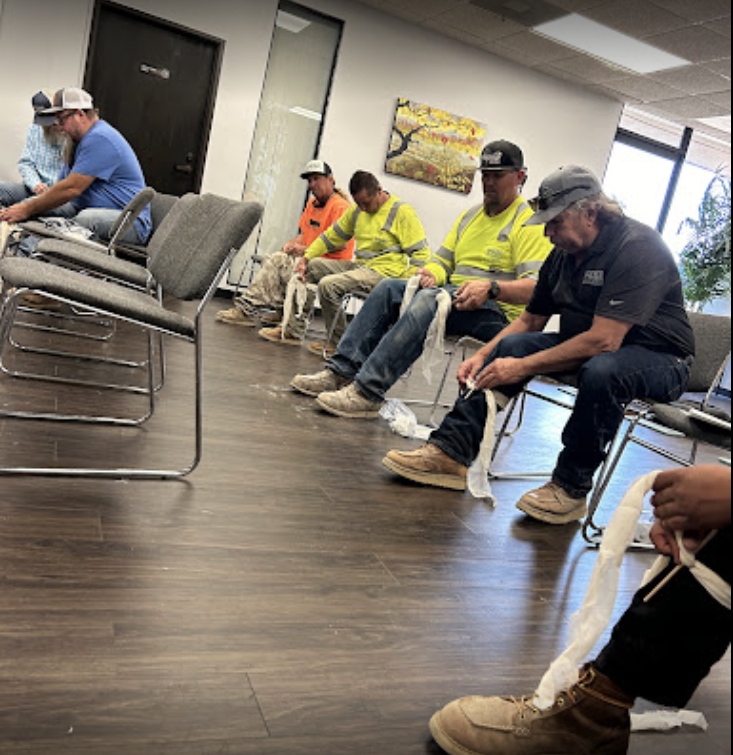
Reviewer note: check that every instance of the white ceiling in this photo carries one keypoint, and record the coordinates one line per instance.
(696, 30)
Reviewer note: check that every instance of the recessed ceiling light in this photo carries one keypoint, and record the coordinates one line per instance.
(292, 23)
(605, 43)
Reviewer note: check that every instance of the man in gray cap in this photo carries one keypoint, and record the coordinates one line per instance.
(42, 159)
(489, 264)
(624, 331)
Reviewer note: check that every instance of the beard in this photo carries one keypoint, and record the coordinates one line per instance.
(53, 136)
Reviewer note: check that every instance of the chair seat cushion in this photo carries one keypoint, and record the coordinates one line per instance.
(93, 293)
(676, 417)
(103, 264)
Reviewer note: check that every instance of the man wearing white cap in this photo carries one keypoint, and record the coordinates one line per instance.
(624, 331)
(102, 177)
(268, 289)
(42, 159)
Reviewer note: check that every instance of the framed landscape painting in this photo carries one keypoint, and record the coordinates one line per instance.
(435, 147)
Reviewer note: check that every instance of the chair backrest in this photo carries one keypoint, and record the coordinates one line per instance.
(131, 213)
(195, 239)
(160, 207)
(712, 337)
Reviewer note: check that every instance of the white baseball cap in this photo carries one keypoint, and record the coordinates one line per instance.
(71, 98)
(316, 167)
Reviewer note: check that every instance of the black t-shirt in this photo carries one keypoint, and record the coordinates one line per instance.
(630, 275)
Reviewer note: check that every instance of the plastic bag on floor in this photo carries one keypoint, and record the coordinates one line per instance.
(667, 720)
(402, 421)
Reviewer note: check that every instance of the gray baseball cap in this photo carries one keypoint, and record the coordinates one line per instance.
(42, 101)
(562, 189)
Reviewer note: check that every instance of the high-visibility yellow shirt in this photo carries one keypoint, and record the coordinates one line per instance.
(392, 241)
(497, 248)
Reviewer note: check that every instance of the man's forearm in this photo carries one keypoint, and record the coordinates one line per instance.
(567, 357)
(518, 292)
(56, 196)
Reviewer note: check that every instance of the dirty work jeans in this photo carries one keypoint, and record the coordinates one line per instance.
(335, 279)
(379, 346)
(607, 384)
(662, 650)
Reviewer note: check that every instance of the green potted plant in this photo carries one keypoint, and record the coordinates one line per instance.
(705, 260)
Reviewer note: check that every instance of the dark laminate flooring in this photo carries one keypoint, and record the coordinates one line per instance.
(290, 597)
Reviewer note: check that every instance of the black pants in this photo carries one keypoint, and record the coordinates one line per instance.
(662, 650)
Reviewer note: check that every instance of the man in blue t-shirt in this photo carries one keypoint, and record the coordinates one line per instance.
(103, 176)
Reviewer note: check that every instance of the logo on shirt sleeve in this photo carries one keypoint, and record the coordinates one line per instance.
(595, 278)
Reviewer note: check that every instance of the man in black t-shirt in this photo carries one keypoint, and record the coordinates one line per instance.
(623, 330)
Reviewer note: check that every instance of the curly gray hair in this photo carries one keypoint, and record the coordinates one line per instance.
(607, 210)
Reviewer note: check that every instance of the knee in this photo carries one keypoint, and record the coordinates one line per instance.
(511, 346)
(600, 374)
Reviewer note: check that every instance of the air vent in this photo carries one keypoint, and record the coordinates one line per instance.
(529, 13)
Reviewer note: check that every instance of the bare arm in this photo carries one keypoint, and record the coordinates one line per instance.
(59, 194)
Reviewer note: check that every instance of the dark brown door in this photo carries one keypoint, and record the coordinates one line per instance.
(156, 83)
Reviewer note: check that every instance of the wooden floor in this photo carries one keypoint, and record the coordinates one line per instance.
(291, 597)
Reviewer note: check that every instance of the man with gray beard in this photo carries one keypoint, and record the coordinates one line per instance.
(42, 159)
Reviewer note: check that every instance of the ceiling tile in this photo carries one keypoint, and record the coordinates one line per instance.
(560, 73)
(527, 13)
(721, 26)
(692, 107)
(696, 44)
(638, 18)
(644, 89)
(459, 34)
(616, 95)
(590, 69)
(696, 10)
(720, 98)
(521, 57)
(722, 67)
(413, 10)
(693, 80)
(479, 22)
(539, 47)
(576, 6)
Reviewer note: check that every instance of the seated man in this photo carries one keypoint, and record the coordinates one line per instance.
(390, 243)
(624, 330)
(102, 177)
(661, 650)
(269, 287)
(42, 159)
(489, 290)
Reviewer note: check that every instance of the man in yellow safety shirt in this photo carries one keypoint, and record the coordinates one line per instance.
(390, 243)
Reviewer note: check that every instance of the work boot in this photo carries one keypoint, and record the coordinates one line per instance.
(592, 718)
(235, 316)
(349, 403)
(322, 382)
(429, 466)
(552, 505)
(321, 349)
(279, 335)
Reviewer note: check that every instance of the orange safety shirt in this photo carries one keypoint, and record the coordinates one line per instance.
(315, 220)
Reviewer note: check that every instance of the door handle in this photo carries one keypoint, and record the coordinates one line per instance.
(184, 169)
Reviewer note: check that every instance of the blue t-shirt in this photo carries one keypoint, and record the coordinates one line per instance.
(106, 155)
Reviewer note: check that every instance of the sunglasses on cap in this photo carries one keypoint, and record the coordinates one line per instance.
(545, 201)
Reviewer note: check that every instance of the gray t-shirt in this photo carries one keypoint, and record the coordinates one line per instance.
(629, 275)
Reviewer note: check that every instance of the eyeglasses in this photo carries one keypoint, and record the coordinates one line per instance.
(61, 118)
(545, 201)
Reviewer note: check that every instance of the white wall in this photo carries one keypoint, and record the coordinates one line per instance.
(382, 58)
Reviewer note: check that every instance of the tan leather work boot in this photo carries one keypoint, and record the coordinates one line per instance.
(429, 466)
(592, 718)
(552, 505)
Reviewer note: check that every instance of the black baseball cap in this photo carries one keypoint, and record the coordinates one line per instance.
(42, 101)
(562, 189)
(502, 155)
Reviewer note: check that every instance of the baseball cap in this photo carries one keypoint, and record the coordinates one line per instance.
(502, 155)
(316, 167)
(42, 101)
(562, 189)
(70, 98)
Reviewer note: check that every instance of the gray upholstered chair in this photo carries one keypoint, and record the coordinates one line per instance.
(693, 417)
(188, 260)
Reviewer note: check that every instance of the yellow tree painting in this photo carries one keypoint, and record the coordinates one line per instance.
(436, 147)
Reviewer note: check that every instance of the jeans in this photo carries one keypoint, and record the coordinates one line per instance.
(379, 346)
(607, 384)
(100, 222)
(662, 650)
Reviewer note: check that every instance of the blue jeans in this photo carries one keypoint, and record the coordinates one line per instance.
(607, 384)
(380, 346)
(100, 222)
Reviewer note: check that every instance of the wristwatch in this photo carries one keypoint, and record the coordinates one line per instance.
(495, 290)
